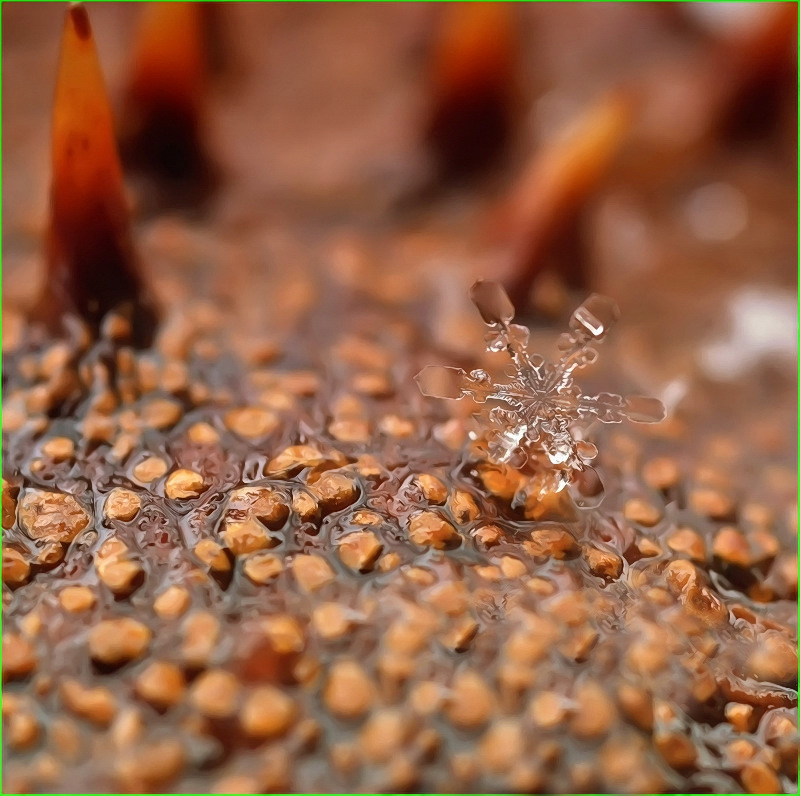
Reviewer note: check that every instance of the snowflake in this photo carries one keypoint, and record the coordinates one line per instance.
(540, 415)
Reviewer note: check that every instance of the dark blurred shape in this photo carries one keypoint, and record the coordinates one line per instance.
(761, 60)
(540, 222)
(163, 118)
(473, 87)
(92, 267)
(740, 85)
(220, 58)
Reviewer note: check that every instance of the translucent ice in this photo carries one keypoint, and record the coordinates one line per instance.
(596, 315)
(492, 302)
(540, 414)
(438, 381)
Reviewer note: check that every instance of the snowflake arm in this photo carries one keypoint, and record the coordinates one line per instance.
(610, 408)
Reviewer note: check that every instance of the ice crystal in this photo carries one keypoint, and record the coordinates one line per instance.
(540, 415)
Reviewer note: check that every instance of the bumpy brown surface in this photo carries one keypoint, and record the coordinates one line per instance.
(254, 558)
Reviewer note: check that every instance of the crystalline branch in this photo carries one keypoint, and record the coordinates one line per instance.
(540, 415)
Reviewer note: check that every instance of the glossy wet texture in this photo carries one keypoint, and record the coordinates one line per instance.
(253, 557)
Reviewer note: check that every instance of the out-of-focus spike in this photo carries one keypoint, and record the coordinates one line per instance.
(738, 85)
(221, 59)
(162, 123)
(473, 87)
(554, 188)
(761, 61)
(91, 264)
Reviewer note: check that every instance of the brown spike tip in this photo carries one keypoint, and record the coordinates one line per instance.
(546, 206)
(162, 123)
(91, 264)
(473, 87)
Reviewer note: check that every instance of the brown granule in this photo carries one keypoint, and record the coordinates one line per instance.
(59, 449)
(121, 504)
(199, 632)
(114, 642)
(94, 704)
(184, 484)
(348, 692)
(245, 537)
(267, 712)
(116, 569)
(312, 572)
(149, 469)
(16, 570)
(262, 567)
(215, 693)
(161, 684)
(19, 657)
(52, 516)
(430, 530)
(433, 490)
(642, 512)
(172, 603)
(77, 599)
(359, 550)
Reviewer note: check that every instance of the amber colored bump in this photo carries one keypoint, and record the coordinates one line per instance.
(91, 263)
(473, 86)
(555, 186)
(164, 102)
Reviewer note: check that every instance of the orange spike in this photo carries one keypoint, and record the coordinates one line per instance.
(165, 96)
(553, 189)
(91, 264)
(472, 86)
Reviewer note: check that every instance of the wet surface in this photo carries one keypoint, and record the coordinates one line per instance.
(254, 557)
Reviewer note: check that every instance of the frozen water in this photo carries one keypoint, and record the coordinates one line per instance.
(492, 302)
(438, 381)
(540, 415)
(596, 315)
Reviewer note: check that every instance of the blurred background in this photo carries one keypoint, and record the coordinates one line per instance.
(397, 152)
(313, 190)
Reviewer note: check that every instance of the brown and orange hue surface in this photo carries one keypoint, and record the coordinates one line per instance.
(91, 264)
(250, 557)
